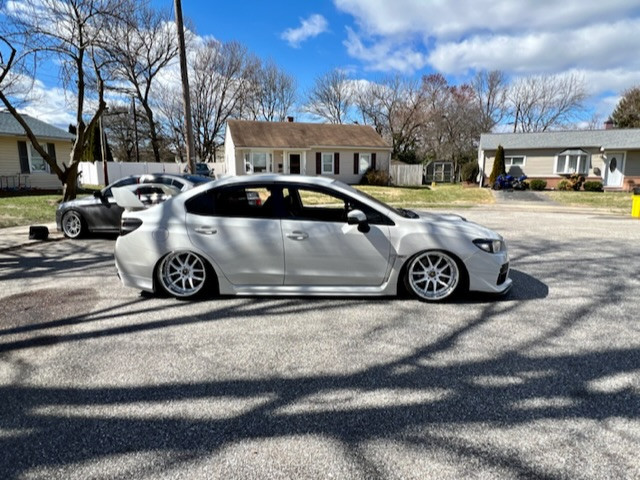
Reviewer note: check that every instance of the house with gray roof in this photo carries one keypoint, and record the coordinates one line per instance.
(21, 166)
(611, 155)
(344, 152)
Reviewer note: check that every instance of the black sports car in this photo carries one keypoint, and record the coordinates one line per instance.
(100, 213)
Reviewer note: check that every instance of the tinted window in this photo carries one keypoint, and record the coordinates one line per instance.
(252, 202)
(317, 204)
(120, 183)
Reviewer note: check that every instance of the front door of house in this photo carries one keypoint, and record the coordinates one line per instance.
(614, 166)
(294, 163)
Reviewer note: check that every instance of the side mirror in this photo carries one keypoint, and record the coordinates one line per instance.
(97, 194)
(357, 217)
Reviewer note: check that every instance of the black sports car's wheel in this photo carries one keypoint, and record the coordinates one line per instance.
(432, 276)
(72, 224)
(182, 274)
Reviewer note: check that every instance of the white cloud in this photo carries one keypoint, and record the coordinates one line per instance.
(310, 27)
(384, 55)
(598, 46)
(456, 18)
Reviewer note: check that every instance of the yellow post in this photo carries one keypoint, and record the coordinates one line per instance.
(635, 203)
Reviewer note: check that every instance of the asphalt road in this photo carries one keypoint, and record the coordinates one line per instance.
(99, 381)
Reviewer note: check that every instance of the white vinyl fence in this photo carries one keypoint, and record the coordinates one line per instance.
(406, 174)
(91, 173)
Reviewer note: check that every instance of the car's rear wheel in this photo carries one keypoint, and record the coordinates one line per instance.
(72, 224)
(183, 274)
(433, 276)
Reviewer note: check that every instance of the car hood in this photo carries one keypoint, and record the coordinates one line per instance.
(450, 221)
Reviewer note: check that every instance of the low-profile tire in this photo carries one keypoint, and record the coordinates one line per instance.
(183, 275)
(73, 225)
(433, 276)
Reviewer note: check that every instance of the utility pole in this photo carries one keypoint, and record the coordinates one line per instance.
(186, 97)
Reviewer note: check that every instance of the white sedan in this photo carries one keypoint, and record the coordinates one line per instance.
(306, 236)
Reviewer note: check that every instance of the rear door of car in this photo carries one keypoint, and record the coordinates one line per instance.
(243, 238)
(321, 249)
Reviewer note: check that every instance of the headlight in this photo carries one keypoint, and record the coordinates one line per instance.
(489, 246)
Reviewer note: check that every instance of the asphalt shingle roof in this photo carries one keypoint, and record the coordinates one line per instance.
(248, 134)
(10, 127)
(626, 139)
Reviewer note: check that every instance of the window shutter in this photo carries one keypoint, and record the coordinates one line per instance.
(356, 163)
(24, 157)
(373, 160)
(336, 163)
(51, 149)
(318, 163)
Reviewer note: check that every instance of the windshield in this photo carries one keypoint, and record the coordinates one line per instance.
(196, 179)
(403, 212)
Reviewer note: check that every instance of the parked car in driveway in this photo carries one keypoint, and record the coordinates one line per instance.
(308, 236)
(100, 213)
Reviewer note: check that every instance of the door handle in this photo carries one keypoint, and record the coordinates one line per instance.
(206, 230)
(298, 235)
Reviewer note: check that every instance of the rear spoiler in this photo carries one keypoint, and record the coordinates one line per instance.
(126, 199)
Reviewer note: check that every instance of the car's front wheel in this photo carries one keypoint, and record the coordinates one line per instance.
(183, 274)
(72, 224)
(433, 276)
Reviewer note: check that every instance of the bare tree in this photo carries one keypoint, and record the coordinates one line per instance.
(490, 90)
(139, 50)
(70, 31)
(540, 103)
(220, 78)
(454, 120)
(168, 103)
(273, 93)
(330, 97)
(395, 108)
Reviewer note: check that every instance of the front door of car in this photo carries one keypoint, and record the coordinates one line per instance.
(103, 213)
(320, 248)
(241, 235)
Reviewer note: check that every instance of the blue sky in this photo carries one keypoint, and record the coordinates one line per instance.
(595, 39)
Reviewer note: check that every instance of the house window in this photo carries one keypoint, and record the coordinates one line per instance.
(36, 161)
(258, 162)
(364, 162)
(327, 163)
(572, 161)
(513, 162)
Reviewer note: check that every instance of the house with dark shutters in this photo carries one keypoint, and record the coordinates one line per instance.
(21, 166)
(344, 152)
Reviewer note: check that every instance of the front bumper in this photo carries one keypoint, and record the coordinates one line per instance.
(489, 272)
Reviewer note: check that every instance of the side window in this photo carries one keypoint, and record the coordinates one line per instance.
(202, 204)
(120, 183)
(310, 204)
(250, 202)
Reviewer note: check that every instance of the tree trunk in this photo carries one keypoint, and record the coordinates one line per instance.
(152, 131)
(70, 182)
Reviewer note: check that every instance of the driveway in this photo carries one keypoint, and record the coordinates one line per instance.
(99, 381)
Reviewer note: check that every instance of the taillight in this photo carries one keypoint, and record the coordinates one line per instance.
(128, 225)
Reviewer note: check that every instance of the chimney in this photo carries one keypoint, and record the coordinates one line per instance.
(608, 125)
(290, 119)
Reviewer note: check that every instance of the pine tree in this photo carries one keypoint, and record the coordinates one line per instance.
(627, 112)
(498, 166)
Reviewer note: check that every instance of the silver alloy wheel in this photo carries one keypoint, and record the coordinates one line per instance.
(182, 274)
(433, 275)
(72, 224)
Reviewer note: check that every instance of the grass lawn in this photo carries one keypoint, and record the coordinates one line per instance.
(444, 195)
(612, 201)
(27, 210)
